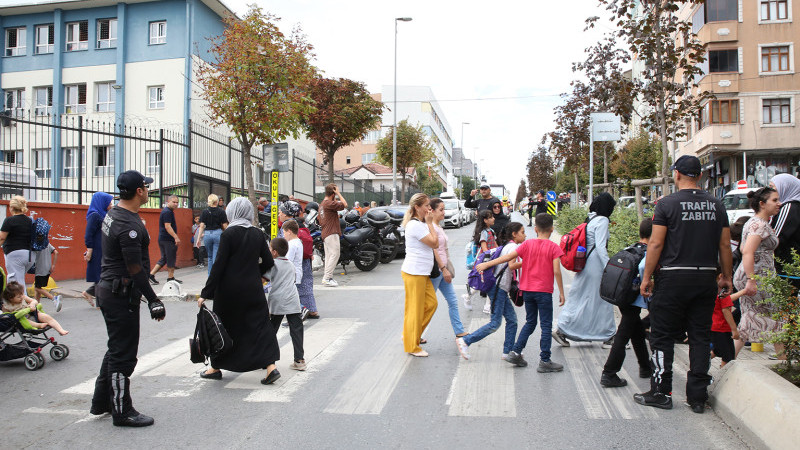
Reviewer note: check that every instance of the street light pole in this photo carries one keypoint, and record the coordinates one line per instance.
(463, 152)
(394, 113)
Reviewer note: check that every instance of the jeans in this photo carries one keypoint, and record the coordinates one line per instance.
(211, 241)
(501, 307)
(537, 304)
(630, 328)
(452, 302)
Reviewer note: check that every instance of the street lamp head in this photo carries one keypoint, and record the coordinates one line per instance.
(404, 19)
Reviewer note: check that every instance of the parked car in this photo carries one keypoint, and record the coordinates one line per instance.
(628, 200)
(736, 204)
(466, 213)
(453, 214)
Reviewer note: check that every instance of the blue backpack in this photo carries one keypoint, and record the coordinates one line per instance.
(40, 229)
(485, 281)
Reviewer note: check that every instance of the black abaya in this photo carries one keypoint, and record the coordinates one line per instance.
(235, 285)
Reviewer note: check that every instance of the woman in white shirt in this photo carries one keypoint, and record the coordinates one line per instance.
(444, 282)
(421, 240)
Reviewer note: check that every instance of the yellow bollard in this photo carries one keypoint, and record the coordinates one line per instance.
(756, 347)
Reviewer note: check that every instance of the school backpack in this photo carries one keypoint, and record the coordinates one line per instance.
(472, 252)
(573, 259)
(210, 338)
(483, 281)
(620, 282)
(39, 234)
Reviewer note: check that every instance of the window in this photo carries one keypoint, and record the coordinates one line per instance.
(106, 97)
(14, 101)
(156, 94)
(153, 165)
(158, 32)
(75, 99)
(15, 41)
(43, 99)
(372, 137)
(719, 10)
(12, 156)
(103, 160)
(77, 36)
(71, 163)
(45, 39)
(348, 160)
(774, 10)
(776, 110)
(107, 33)
(775, 59)
(724, 111)
(42, 163)
(367, 158)
(723, 61)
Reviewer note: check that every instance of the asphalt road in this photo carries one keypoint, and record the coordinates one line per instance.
(360, 391)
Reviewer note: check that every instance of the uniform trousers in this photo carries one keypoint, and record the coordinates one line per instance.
(421, 303)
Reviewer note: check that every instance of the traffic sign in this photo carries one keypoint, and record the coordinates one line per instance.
(274, 207)
(551, 208)
(551, 196)
(742, 184)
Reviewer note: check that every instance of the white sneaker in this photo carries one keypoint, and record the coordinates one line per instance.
(463, 348)
(505, 355)
(467, 301)
(487, 307)
(330, 283)
(57, 302)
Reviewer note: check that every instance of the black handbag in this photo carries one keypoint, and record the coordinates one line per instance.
(435, 271)
(515, 294)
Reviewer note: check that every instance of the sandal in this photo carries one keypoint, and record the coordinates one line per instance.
(422, 341)
(420, 354)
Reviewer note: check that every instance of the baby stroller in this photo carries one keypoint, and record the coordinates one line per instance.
(32, 341)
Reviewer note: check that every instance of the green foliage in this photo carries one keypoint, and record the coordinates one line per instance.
(782, 298)
(569, 218)
(623, 231)
(639, 159)
(413, 149)
(427, 183)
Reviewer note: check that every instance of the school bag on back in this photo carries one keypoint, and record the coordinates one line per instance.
(471, 251)
(571, 242)
(619, 285)
(40, 230)
(483, 281)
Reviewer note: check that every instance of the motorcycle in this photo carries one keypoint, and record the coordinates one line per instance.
(356, 245)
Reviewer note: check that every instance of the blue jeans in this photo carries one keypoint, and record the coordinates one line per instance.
(541, 304)
(452, 302)
(211, 241)
(501, 307)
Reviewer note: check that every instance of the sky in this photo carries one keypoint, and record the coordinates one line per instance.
(469, 52)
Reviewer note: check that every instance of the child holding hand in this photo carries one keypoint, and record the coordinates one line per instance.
(723, 327)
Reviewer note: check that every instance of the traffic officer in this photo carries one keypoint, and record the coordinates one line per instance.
(123, 282)
(690, 237)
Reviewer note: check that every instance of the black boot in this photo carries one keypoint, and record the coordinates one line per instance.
(123, 413)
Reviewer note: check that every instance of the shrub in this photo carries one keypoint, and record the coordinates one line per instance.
(623, 231)
(569, 218)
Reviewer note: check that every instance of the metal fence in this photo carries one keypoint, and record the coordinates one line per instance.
(362, 191)
(65, 159)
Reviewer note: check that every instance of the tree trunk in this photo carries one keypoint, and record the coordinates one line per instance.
(661, 107)
(248, 176)
(577, 187)
(605, 163)
(330, 167)
(403, 187)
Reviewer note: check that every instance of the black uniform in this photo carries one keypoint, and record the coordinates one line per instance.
(123, 281)
(685, 287)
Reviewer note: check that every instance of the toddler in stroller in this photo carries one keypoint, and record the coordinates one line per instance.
(15, 301)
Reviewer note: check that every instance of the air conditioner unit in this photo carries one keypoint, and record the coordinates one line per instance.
(5, 118)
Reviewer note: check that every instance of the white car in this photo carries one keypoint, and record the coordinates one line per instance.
(737, 205)
(453, 215)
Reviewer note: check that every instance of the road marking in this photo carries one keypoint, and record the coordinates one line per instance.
(585, 362)
(369, 387)
(483, 386)
(66, 412)
(328, 339)
(345, 287)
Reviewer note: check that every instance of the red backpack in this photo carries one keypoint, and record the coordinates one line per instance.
(308, 243)
(572, 259)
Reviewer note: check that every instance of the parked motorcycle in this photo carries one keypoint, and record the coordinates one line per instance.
(355, 245)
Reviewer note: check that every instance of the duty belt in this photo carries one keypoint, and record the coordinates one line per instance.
(688, 268)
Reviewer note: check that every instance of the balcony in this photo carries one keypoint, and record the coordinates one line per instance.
(726, 31)
(715, 135)
(720, 83)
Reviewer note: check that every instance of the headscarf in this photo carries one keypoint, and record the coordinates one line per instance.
(240, 213)
(788, 187)
(500, 219)
(603, 204)
(290, 208)
(99, 204)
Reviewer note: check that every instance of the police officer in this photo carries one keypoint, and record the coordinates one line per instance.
(690, 237)
(123, 281)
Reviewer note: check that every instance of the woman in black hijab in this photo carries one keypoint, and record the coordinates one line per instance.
(500, 219)
(603, 205)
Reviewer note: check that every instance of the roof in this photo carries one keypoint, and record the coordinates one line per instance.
(39, 6)
(377, 169)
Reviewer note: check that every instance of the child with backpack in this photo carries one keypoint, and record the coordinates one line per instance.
(514, 234)
(630, 325)
(45, 264)
(541, 264)
(485, 240)
(284, 299)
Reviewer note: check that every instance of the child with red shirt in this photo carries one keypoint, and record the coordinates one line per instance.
(541, 263)
(723, 328)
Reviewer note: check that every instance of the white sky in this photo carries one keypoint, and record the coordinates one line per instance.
(463, 50)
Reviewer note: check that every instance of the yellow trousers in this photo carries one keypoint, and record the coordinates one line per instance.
(421, 303)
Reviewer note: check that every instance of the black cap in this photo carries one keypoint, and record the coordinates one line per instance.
(131, 180)
(687, 165)
(485, 185)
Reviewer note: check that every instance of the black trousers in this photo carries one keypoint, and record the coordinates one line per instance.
(682, 301)
(631, 329)
(295, 331)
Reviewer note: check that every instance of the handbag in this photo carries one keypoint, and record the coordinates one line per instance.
(435, 272)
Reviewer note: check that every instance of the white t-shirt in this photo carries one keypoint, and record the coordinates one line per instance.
(505, 282)
(419, 257)
(295, 255)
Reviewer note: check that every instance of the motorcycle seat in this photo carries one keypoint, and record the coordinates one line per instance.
(357, 236)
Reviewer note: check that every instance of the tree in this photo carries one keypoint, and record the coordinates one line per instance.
(671, 56)
(257, 82)
(344, 113)
(522, 192)
(427, 183)
(467, 185)
(570, 139)
(639, 159)
(541, 167)
(413, 149)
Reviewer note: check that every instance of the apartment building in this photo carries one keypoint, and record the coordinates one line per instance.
(749, 130)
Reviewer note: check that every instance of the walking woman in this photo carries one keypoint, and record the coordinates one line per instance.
(213, 222)
(444, 282)
(759, 242)
(787, 222)
(235, 286)
(586, 316)
(421, 240)
(15, 236)
(93, 238)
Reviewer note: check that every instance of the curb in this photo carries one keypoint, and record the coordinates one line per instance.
(758, 404)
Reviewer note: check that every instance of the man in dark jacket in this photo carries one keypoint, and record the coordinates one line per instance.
(483, 203)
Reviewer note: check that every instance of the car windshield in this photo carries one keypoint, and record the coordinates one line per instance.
(451, 204)
(735, 201)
